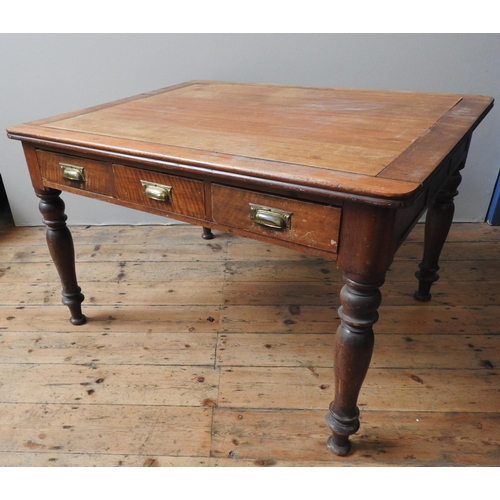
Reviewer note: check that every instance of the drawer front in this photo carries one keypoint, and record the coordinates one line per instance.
(295, 221)
(167, 193)
(79, 173)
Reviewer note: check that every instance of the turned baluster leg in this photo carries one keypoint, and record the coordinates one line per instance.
(353, 350)
(207, 233)
(437, 226)
(61, 249)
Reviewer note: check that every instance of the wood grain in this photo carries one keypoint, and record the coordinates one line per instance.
(236, 370)
(356, 167)
(208, 116)
(266, 438)
(359, 142)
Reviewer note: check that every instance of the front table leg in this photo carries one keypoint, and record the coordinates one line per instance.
(353, 350)
(61, 249)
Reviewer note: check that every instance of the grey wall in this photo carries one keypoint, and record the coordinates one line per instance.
(48, 74)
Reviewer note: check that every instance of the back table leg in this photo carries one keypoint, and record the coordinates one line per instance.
(61, 249)
(437, 226)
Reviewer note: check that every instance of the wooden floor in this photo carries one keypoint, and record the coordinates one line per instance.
(219, 353)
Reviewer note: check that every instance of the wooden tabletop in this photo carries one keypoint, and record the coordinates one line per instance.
(374, 143)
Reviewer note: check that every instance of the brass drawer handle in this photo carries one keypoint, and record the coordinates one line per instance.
(72, 172)
(270, 217)
(157, 192)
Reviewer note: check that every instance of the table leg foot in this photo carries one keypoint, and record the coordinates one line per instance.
(207, 234)
(340, 445)
(74, 301)
(426, 277)
(78, 321)
(342, 428)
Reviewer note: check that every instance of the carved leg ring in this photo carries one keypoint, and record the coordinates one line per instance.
(353, 350)
(437, 225)
(61, 249)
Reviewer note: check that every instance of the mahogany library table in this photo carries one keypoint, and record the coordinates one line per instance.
(337, 173)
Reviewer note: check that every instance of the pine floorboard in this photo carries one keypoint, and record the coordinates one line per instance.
(219, 353)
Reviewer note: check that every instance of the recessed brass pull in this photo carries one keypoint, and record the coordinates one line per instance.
(157, 192)
(270, 217)
(72, 172)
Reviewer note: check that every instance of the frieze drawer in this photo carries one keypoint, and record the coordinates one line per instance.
(74, 172)
(163, 192)
(300, 222)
